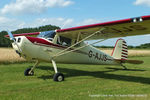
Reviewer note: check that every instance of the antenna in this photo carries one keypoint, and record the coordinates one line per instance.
(65, 23)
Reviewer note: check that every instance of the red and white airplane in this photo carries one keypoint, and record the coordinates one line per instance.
(67, 45)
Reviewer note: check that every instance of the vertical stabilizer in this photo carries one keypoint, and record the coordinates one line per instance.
(120, 50)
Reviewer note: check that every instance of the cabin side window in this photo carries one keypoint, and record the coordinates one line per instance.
(64, 41)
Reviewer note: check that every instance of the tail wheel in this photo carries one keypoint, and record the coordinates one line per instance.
(28, 72)
(58, 77)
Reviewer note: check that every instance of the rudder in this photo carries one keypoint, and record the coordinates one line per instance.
(120, 50)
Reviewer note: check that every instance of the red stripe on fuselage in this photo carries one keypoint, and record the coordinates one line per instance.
(42, 41)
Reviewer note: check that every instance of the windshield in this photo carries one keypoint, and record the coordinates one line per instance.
(47, 35)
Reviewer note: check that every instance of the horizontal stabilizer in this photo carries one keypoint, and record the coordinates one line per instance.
(130, 61)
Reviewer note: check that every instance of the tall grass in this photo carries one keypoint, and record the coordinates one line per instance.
(9, 55)
(131, 52)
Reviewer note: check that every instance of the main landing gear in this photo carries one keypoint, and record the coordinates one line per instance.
(58, 77)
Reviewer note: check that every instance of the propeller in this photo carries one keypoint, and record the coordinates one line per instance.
(14, 41)
(11, 36)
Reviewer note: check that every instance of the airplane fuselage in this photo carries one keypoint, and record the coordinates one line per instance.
(44, 50)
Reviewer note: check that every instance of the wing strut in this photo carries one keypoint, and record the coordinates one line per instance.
(65, 51)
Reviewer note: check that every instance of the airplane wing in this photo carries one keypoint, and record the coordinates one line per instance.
(113, 29)
(34, 34)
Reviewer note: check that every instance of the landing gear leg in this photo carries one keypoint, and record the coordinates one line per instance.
(29, 71)
(58, 77)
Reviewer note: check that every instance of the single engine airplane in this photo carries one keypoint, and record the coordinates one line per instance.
(68, 45)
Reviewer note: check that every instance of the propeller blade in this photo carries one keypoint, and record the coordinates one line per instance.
(12, 38)
(11, 35)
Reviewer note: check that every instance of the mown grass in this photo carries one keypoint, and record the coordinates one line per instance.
(82, 82)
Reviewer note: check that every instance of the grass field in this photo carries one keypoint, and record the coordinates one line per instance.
(82, 82)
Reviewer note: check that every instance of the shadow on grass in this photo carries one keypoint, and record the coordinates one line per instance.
(124, 69)
(97, 74)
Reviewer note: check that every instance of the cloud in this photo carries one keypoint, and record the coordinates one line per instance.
(58, 3)
(14, 24)
(88, 21)
(61, 22)
(33, 6)
(142, 2)
(11, 24)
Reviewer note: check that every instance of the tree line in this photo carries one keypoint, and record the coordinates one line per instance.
(5, 42)
(142, 46)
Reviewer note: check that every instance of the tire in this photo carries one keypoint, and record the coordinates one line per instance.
(26, 72)
(58, 77)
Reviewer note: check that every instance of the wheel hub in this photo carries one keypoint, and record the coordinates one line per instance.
(60, 78)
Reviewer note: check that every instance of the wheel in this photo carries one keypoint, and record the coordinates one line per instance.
(58, 77)
(26, 72)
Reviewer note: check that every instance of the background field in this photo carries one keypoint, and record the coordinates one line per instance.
(9, 55)
(82, 82)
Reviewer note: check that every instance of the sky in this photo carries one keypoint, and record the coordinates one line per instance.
(15, 14)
